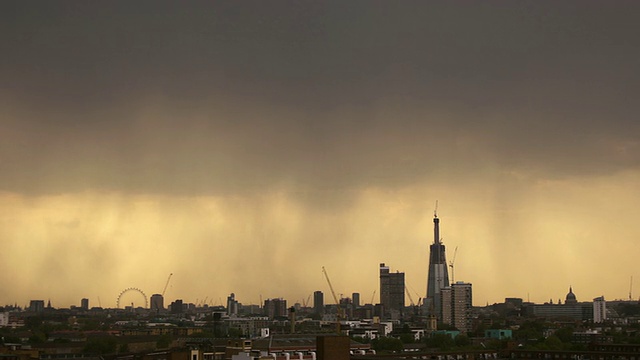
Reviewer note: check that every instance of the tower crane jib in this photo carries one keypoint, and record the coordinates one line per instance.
(167, 284)
(335, 298)
(453, 260)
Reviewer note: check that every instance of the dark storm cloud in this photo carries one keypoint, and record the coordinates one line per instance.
(227, 97)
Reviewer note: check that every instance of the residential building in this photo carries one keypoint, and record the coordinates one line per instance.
(391, 292)
(275, 308)
(599, 310)
(457, 305)
(4, 319)
(446, 313)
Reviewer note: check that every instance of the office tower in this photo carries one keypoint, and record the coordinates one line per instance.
(438, 277)
(84, 304)
(37, 305)
(318, 302)
(157, 302)
(391, 292)
(275, 308)
(599, 310)
(232, 305)
(176, 307)
(355, 298)
(347, 308)
(355, 302)
(456, 306)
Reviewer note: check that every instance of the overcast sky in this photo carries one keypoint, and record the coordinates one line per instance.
(243, 145)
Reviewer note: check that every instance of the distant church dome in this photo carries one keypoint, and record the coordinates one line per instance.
(571, 297)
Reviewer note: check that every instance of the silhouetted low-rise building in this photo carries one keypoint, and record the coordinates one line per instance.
(177, 307)
(36, 306)
(499, 334)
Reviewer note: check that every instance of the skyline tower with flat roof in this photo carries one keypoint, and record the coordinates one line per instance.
(391, 292)
(599, 310)
(457, 302)
(318, 302)
(157, 302)
(438, 277)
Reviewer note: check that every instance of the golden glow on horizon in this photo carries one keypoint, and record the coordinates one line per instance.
(556, 234)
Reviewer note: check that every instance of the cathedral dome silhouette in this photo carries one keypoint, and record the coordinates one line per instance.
(571, 297)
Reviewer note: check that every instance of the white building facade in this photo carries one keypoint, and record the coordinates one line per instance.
(599, 310)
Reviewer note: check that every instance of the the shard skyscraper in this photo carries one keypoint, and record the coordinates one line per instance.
(438, 273)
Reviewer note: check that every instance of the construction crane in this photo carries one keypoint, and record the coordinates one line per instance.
(414, 291)
(167, 284)
(306, 303)
(416, 306)
(373, 296)
(453, 260)
(406, 289)
(339, 315)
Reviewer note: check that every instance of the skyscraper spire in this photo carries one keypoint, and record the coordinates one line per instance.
(438, 277)
(436, 225)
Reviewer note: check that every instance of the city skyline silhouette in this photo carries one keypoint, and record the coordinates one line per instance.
(243, 146)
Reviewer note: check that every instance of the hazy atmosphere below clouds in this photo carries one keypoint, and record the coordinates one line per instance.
(243, 145)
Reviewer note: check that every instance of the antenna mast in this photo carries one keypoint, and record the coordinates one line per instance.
(436, 228)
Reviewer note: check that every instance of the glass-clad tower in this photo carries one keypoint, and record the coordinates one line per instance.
(438, 273)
